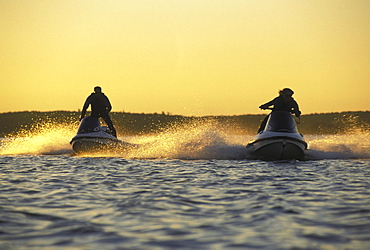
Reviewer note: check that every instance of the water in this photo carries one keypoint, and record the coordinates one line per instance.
(190, 188)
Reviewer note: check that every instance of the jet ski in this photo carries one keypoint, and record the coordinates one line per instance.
(91, 137)
(279, 140)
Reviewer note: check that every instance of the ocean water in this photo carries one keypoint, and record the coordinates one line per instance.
(189, 188)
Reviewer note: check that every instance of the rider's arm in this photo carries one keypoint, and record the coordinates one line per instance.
(108, 105)
(84, 108)
(267, 104)
(296, 109)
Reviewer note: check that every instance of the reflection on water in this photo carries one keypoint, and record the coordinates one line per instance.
(59, 201)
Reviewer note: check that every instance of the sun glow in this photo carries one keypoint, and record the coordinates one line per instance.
(185, 57)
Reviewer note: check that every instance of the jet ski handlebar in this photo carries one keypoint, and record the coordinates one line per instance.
(292, 111)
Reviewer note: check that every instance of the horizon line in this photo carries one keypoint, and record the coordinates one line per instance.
(171, 114)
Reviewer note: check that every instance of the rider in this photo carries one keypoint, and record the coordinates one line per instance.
(100, 107)
(284, 102)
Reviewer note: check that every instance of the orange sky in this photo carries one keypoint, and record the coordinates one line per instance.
(192, 57)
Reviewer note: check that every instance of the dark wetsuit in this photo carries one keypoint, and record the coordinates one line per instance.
(100, 107)
(280, 104)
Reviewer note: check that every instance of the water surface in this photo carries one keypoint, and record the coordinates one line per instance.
(186, 191)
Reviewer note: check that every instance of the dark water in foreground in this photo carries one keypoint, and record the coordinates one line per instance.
(191, 192)
(64, 202)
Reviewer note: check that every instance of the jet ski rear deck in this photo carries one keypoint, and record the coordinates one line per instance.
(279, 140)
(92, 138)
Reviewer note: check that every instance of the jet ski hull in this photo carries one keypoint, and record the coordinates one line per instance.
(278, 148)
(92, 138)
(101, 145)
(279, 140)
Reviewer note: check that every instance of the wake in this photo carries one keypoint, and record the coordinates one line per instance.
(349, 146)
(201, 140)
(48, 138)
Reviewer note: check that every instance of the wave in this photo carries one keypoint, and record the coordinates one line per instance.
(350, 146)
(47, 138)
(199, 140)
(194, 141)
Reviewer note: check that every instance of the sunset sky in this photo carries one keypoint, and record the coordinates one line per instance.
(187, 57)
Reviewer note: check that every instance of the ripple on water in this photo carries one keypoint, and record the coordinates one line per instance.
(82, 202)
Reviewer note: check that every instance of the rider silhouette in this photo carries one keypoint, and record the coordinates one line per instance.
(100, 107)
(284, 102)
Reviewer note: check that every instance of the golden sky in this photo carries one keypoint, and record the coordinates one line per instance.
(187, 57)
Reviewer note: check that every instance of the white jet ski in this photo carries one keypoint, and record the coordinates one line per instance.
(279, 140)
(91, 137)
